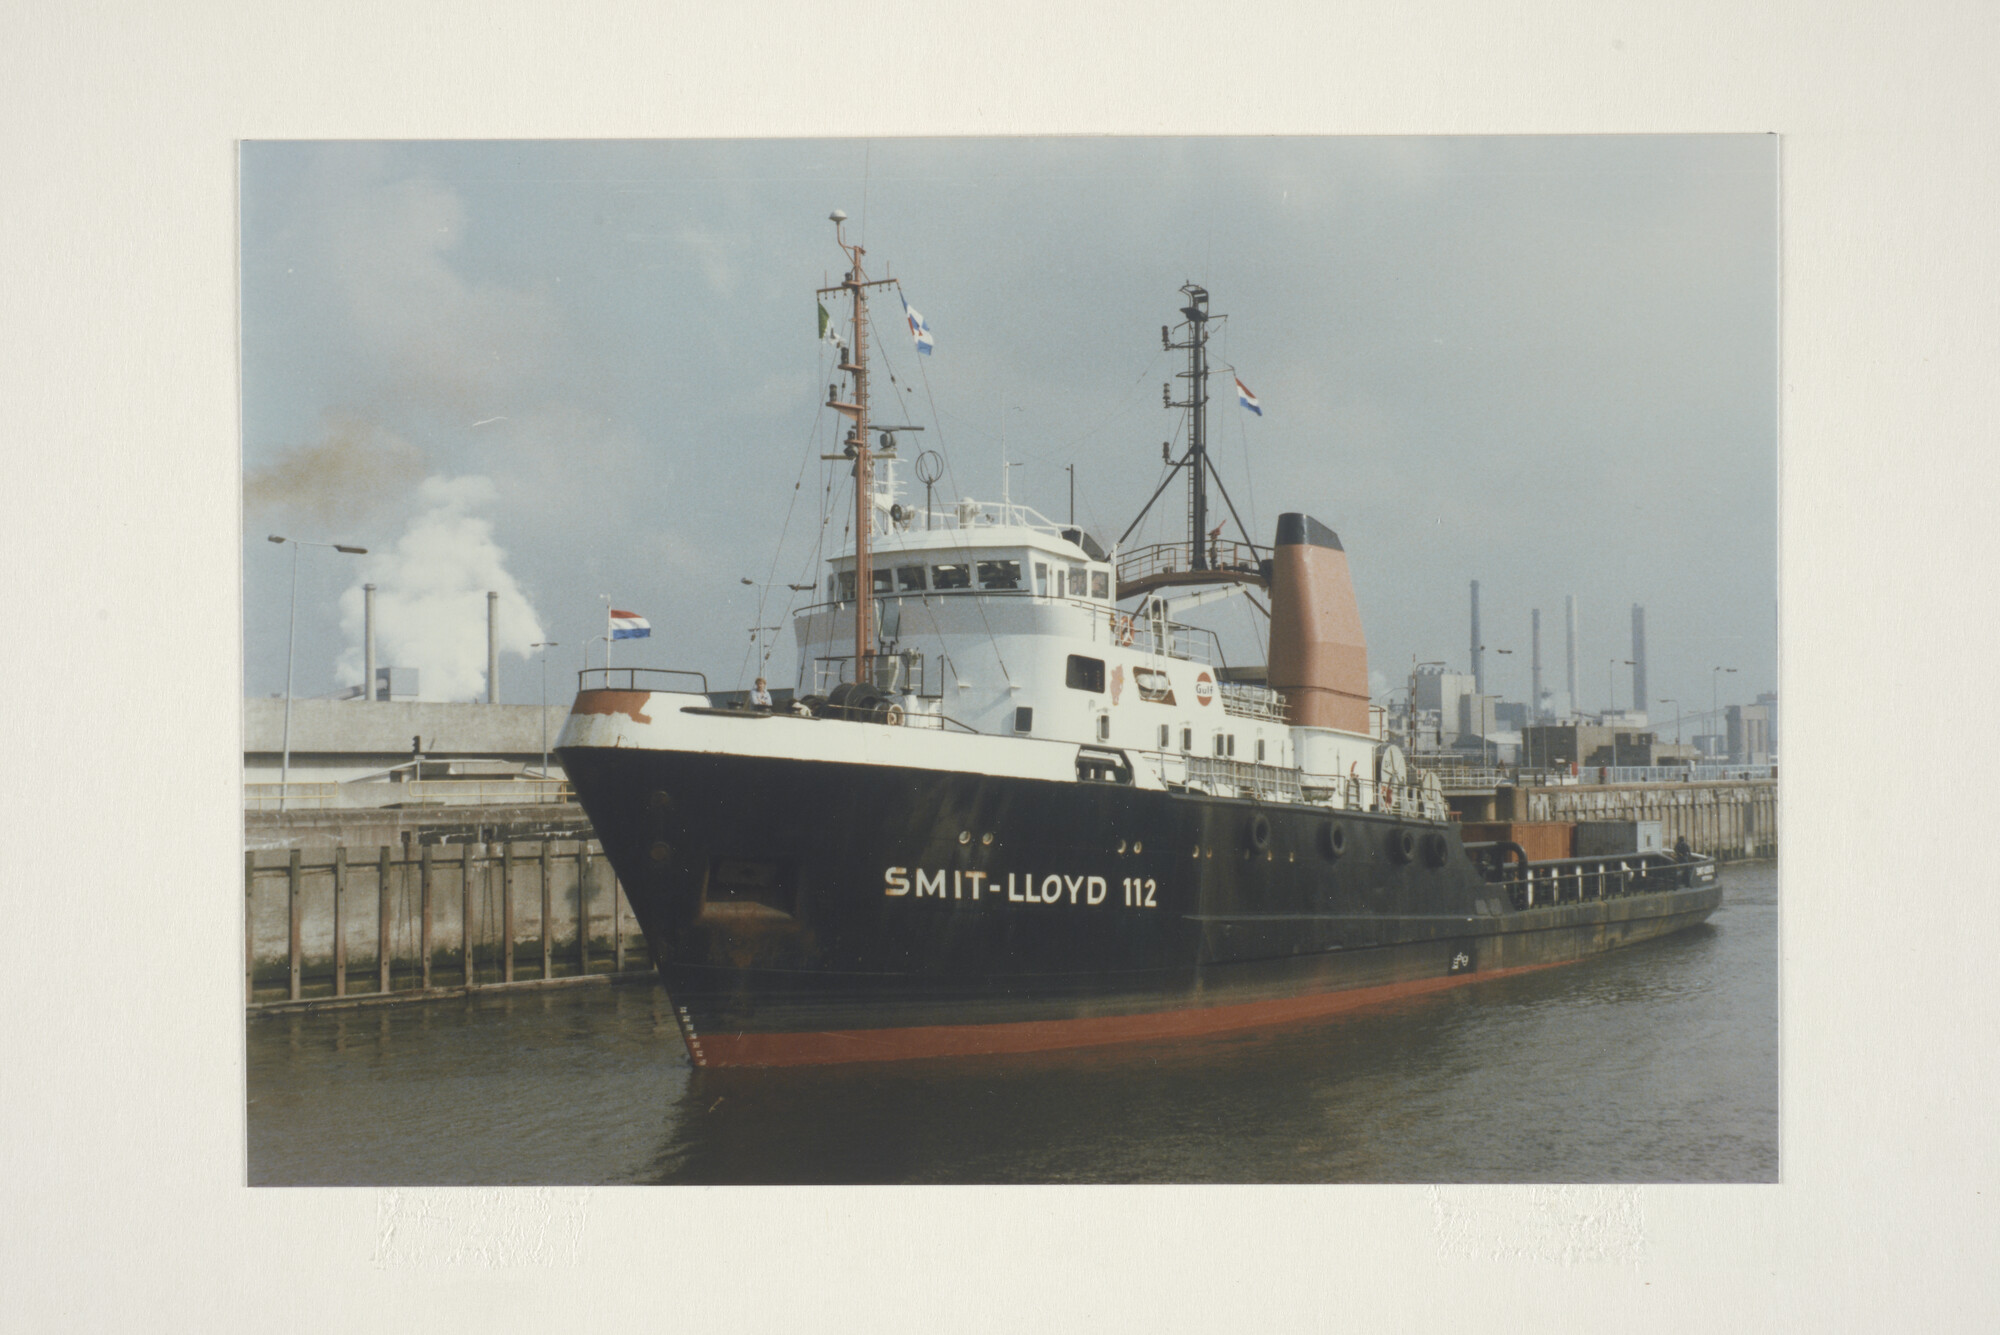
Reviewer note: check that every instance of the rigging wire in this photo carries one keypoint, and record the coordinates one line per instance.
(777, 549)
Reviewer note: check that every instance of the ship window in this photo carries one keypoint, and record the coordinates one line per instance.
(882, 580)
(1260, 750)
(1085, 674)
(1076, 581)
(1024, 718)
(1100, 584)
(910, 579)
(846, 578)
(1187, 739)
(1232, 745)
(999, 574)
(1042, 578)
(1218, 744)
(1104, 727)
(1166, 736)
(955, 576)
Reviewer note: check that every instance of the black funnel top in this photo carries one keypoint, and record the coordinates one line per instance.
(1297, 530)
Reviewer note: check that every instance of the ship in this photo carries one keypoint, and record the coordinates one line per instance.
(1014, 804)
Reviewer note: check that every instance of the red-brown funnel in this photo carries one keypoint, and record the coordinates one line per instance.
(1319, 657)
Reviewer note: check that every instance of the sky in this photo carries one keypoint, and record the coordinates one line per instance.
(562, 370)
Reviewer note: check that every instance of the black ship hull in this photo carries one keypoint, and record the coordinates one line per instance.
(808, 911)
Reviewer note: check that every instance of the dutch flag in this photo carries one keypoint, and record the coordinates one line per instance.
(920, 330)
(628, 626)
(1246, 398)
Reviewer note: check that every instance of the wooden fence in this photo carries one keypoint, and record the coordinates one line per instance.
(442, 917)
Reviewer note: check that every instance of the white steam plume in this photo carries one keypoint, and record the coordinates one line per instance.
(430, 596)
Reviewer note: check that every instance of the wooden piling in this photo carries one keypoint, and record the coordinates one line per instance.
(548, 913)
(249, 934)
(340, 921)
(292, 914)
(424, 928)
(466, 862)
(507, 911)
(382, 912)
(582, 914)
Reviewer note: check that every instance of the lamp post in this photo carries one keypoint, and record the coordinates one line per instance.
(1714, 699)
(1677, 716)
(1610, 693)
(291, 633)
(545, 646)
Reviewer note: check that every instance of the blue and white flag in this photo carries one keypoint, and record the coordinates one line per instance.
(628, 626)
(1246, 398)
(919, 330)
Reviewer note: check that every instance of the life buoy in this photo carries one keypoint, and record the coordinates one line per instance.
(1123, 625)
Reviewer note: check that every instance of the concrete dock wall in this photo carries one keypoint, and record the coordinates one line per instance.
(349, 922)
(1728, 819)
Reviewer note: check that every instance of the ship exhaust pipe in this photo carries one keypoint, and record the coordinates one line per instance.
(1319, 656)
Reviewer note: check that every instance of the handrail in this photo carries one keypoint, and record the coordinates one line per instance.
(605, 676)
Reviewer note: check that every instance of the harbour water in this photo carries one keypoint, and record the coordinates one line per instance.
(1653, 1064)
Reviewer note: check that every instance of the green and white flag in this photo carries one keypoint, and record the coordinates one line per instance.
(829, 332)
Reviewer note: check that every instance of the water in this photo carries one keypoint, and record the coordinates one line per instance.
(1653, 1064)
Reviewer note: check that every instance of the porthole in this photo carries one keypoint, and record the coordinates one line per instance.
(965, 836)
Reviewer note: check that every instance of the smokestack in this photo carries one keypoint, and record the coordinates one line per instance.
(1639, 696)
(1569, 613)
(1478, 671)
(1535, 683)
(492, 648)
(368, 642)
(1319, 657)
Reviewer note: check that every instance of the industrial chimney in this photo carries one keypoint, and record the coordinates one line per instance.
(1569, 613)
(492, 648)
(1535, 684)
(368, 642)
(1478, 670)
(1319, 657)
(1639, 696)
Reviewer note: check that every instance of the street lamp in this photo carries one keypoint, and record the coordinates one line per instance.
(1485, 715)
(545, 646)
(1610, 693)
(1677, 716)
(291, 632)
(1714, 700)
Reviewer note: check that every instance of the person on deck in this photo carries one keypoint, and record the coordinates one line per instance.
(760, 698)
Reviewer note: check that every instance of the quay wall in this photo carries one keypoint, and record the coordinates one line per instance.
(351, 922)
(1733, 818)
(366, 828)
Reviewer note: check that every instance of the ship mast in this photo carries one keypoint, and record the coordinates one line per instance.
(856, 285)
(1197, 403)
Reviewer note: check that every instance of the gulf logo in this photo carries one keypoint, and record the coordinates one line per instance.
(1204, 688)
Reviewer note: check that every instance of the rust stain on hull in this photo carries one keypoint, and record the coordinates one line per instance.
(629, 703)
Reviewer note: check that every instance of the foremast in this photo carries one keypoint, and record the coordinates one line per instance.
(855, 364)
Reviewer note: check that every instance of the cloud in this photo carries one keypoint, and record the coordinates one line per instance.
(430, 601)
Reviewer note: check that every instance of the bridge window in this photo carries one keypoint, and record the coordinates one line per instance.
(1076, 581)
(882, 580)
(1042, 578)
(1100, 584)
(1085, 674)
(846, 578)
(999, 574)
(955, 576)
(909, 579)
